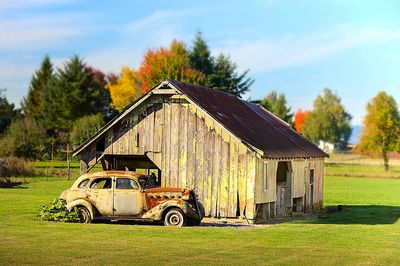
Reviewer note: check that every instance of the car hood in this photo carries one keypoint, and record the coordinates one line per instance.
(166, 189)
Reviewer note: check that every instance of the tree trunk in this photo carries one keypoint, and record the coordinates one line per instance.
(385, 161)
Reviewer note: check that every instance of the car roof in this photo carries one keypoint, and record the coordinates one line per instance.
(111, 173)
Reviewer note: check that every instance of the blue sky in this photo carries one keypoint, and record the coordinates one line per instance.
(294, 47)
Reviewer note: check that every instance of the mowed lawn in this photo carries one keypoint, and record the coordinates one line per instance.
(366, 232)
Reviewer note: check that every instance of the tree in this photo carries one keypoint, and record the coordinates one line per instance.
(125, 90)
(298, 120)
(7, 112)
(277, 105)
(220, 72)
(200, 56)
(102, 93)
(172, 62)
(85, 127)
(72, 93)
(328, 121)
(225, 77)
(381, 127)
(24, 139)
(32, 104)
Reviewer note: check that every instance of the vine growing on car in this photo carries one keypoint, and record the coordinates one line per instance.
(57, 211)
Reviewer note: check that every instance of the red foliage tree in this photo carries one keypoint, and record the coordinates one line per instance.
(299, 118)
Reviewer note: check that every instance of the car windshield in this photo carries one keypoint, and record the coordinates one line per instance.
(147, 182)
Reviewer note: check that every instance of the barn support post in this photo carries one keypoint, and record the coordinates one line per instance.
(83, 167)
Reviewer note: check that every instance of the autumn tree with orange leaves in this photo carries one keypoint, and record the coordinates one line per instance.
(299, 118)
(172, 62)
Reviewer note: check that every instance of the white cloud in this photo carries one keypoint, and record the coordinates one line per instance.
(138, 36)
(264, 55)
(27, 26)
(40, 32)
(23, 4)
(157, 18)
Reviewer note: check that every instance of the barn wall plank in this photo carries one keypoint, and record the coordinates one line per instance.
(217, 171)
(199, 161)
(183, 151)
(233, 167)
(174, 145)
(250, 184)
(242, 176)
(225, 171)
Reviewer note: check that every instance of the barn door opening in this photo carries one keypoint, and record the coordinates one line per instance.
(283, 189)
(136, 163)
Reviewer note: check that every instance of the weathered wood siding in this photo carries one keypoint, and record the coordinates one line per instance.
(300, 185)
(192, 150)
(318, 166)
(269, 194)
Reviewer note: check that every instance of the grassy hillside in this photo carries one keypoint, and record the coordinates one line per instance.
(366, 232)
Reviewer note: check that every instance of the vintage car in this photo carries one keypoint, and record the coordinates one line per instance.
(123, 195)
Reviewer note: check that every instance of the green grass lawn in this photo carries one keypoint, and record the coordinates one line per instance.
(367, 170)
(366, 232)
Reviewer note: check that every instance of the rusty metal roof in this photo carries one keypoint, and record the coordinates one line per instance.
(250, 122)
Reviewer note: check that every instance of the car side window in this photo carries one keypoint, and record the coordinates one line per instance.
(101, 183)
(84, 183)
(126, 183)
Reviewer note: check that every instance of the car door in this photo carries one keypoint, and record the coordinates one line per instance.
(128, 200)
(100, 194)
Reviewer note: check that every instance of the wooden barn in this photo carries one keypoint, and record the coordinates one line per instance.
(243, 161)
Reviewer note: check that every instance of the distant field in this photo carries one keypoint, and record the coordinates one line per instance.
(367, 231)
(356, 165)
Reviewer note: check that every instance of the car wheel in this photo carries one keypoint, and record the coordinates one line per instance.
(175, 217)
(84, 215)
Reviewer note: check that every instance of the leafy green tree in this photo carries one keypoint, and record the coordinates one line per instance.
(32, 104)
(72, 93)
(328, 121)
(7, 112)
(276, 104)
(24, 139)
(85, 127)
(221, 73)
(381, 128)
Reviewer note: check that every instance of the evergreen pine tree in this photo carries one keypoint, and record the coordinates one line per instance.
(220, 72)
(32, 103)
(225, 77)
(276, 104)
(7, 112)
(71, 94)
(200, 56)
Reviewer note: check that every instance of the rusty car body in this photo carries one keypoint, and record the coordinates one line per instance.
(124, 195)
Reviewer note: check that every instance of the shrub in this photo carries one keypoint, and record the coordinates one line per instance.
(11, 166)
(85, 127)
(24, 139)
(57, 211)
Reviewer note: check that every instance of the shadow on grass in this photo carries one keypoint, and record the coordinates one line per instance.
(6, 183)
(359, 214)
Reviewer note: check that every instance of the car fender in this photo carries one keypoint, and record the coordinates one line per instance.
(156, 213)
(81, 202)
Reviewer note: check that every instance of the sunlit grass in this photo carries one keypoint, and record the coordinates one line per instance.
(367, 231)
